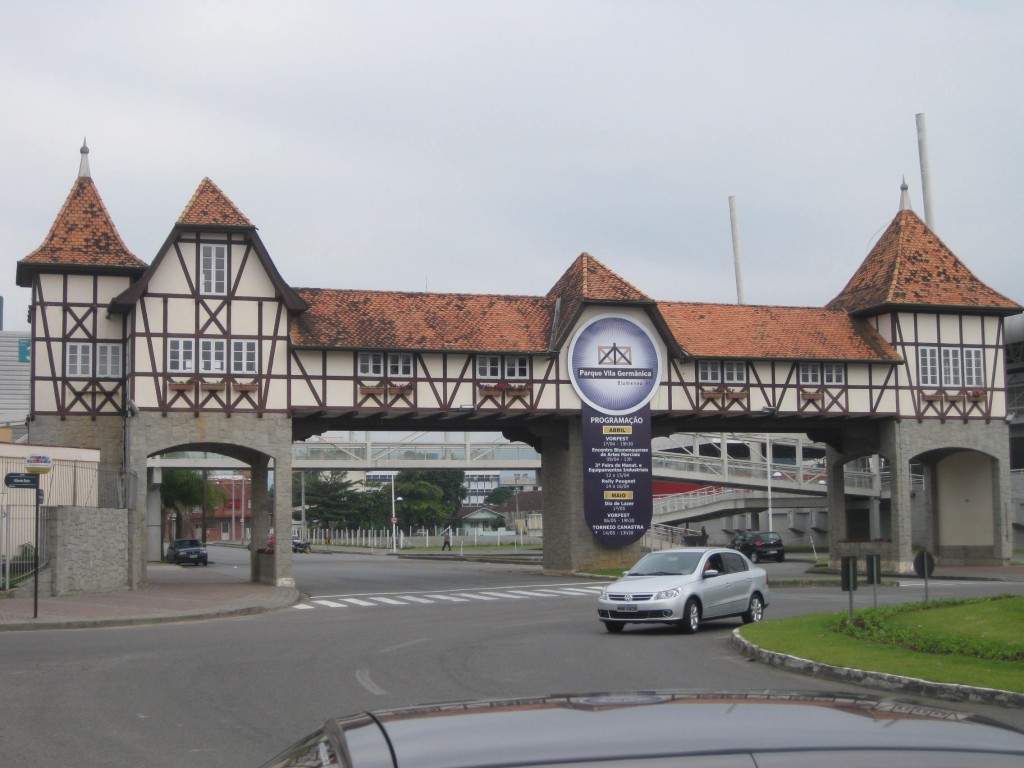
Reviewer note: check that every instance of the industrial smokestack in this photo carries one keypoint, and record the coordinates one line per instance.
(736, 257)
(926, 187)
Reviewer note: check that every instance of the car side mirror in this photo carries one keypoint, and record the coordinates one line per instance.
(708, 574)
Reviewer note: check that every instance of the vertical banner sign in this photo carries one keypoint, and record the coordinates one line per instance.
(615, 368)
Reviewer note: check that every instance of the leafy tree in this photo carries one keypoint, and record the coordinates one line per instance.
(450, 481)
(331, 498)
(181, 490)
(499, 495)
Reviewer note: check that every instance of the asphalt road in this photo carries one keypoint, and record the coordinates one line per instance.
(234, 692)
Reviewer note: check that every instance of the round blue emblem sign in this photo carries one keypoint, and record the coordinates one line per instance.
(614, 364)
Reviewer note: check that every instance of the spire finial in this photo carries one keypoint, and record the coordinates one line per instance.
(905, 196)
(83, 166)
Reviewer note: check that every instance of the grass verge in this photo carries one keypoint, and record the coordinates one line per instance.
(815, 638)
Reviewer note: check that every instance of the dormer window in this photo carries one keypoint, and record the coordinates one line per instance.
(213, 270)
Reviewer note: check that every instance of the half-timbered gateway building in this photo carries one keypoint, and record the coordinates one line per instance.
(207, 347)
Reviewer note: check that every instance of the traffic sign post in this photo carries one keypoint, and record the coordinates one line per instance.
(30, 481)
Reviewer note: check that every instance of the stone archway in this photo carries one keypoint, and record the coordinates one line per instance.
(963, 518)
(151, 434)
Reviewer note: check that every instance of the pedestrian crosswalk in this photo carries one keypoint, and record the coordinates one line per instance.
(449, 597)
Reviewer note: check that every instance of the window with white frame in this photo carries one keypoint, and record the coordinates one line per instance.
(181, 355)
(488, 366)
(400, 365)
(952, 373)
(974, 367)
(734, 372)
(213, 270)
(371, 364)
(709, 371)
(243, 357)
(517, 367)
(810, 375)
(928, 366)
(212, 355)
(78, 359)
(833, 374)
(108, 361)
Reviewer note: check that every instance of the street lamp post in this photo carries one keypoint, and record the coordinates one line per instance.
(394, 518)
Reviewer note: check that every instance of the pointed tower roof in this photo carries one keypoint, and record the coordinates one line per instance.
(211, 210)
(211, 207)
(83, 236)
(588, 281)
(911, 267)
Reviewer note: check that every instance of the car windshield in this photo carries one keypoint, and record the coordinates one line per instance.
(667, 564)
(183, 543)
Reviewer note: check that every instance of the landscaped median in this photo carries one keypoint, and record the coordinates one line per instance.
(953, 649)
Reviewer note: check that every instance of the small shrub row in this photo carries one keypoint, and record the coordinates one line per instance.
(882, 625)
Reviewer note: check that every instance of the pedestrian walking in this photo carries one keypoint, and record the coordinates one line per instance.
(447, 540)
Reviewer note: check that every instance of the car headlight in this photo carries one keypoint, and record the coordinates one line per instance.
(666, 594)
(604, 593)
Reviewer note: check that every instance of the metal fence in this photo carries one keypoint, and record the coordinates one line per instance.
(68, 483)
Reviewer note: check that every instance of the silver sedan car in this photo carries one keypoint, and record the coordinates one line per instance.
(685, 587)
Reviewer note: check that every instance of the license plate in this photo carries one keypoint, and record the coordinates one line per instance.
(193, 556)
(627, 608)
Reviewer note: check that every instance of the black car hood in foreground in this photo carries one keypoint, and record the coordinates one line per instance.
(662, 729)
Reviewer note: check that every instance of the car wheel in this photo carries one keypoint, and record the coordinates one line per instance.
(754, 557)
(691, 617)
(614, 626)
(756, 610)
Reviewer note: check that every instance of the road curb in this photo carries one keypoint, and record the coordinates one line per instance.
(878, 680)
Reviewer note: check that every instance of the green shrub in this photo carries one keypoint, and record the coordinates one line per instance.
(980, 628)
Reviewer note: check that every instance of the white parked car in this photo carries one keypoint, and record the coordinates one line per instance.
(685, 587)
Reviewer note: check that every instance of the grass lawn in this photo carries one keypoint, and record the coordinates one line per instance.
(958, 627)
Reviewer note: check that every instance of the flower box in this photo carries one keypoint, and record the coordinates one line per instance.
(249, 386)
(212, 386)
(976, 396)
(811, 395)
(489, 391)
(400, 389)
(181, 386)
(371, 390)
(932, 397)
(737, 394)
(711, 394)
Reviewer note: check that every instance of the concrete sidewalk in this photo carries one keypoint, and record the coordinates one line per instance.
(174, 593)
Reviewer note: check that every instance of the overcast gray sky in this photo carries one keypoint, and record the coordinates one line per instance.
(480, 146)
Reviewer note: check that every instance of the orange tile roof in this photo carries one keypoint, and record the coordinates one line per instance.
(427, 321)
(82, 235)
(910, 266)
(787, 333)
(211, 207)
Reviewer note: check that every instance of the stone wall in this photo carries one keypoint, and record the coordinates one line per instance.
(94, 550)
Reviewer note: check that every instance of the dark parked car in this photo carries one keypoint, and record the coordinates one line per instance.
(186, 551)
(649, 729)
(758, 546)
